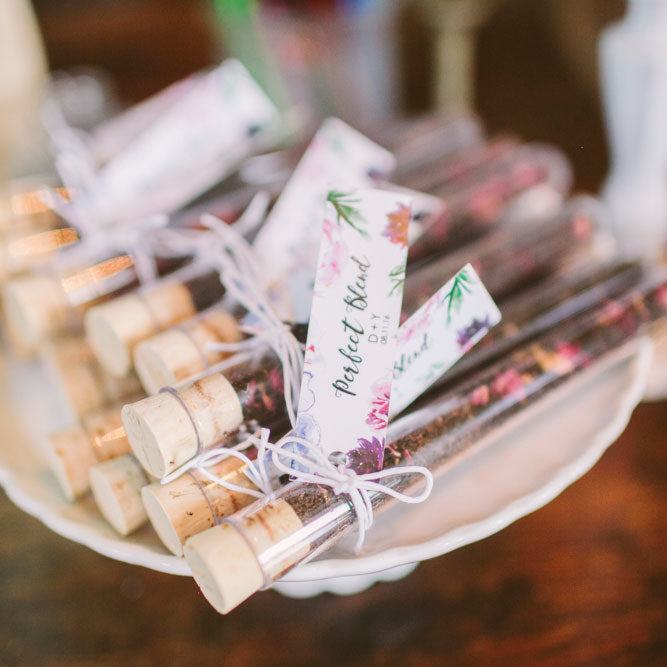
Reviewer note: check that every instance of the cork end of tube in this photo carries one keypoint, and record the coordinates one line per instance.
(34, 307)
(160, 432)
(224, 566)
(74, 373)
(157, 508)
(105, 335)
(153, 359)
(70, 457)
(114, 328)
(116, 486)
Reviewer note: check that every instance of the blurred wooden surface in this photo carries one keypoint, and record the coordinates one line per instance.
(582, 581)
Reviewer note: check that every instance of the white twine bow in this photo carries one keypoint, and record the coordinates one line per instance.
(74, 162)
(98, 240)
(79, 177)
(241, 274)
(319, 469)
(324, 470)
(202, 243)
(134, 237)
(256, 471)
(145, 238)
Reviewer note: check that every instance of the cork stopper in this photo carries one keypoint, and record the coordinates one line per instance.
(75, 450)
(80, 380)
(224, 566)
(35, 307)
(70, 457)
(186, 506)
(21, 206)
(115, 327)
(180, 353)
(161, 430)
(223, 562)
(116, 486)
(22, 252)
(106, 433)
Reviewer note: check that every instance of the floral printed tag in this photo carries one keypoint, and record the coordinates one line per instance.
(430, 342)
(290, 237)
(204, 134)
(426, 210)
(351, 343)
(114, 134)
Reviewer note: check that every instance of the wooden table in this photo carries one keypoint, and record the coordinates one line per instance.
(581, 581)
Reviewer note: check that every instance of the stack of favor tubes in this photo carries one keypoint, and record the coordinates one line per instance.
(165, 276)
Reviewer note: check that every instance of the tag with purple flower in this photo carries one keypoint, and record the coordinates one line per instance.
(430, 342)
(350, 351)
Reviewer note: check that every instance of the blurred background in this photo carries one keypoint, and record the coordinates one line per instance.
(539, 589)
(526, 67)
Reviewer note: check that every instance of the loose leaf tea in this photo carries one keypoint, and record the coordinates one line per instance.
(309, 518)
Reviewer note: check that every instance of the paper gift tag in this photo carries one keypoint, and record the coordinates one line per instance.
(200, 138)
(426, 210)
(351, 345)
(289, 239)
(114, 134)
(444, 328)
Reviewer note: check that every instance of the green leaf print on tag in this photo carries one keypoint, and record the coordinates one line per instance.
(397, 278)
(345, 211)
(455, 296)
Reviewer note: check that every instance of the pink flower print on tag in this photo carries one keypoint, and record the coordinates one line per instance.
(378, 416)
(406, 332)
(334, 257)
(397, 226)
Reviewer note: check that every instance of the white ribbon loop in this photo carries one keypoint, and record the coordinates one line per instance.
(256, 471)
(344, 481)
(201, 244)
(241, 274)
(134, 238)
(319, 469)
(65, 139)
(254, 214)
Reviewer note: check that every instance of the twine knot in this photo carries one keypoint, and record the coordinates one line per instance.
(315, 467)
(241, 274)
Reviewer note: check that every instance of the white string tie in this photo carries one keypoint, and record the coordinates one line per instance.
(201, 243)
(319, 469)
(254, 214)
(133, 237)
(325, 470)
(79, 179)
(241, 274)
(65, 139)
(256, 471)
